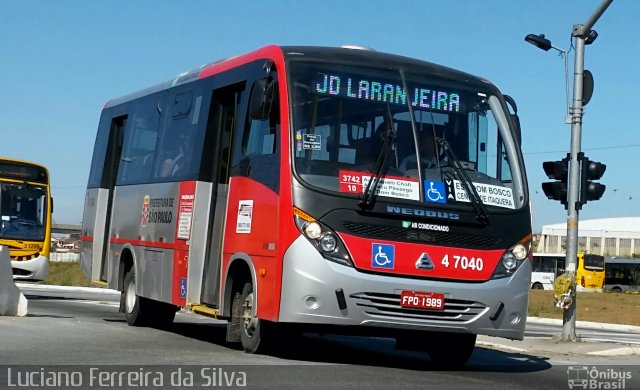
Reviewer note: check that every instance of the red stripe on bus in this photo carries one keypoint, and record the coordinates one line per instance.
(151, 244)
(272, 51)
(86, 238)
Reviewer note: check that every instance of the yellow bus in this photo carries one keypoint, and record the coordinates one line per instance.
(590, 272)
(25, 217)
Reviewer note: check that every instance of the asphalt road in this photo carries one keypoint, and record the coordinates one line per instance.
(83, 331)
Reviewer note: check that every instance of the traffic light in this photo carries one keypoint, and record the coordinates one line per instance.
(590, 170)
(558, 170)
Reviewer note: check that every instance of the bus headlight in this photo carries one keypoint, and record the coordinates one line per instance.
(328, 242)
(312, 230)
(520, 251)
(509, 261)
(325, 240)
(512, 258)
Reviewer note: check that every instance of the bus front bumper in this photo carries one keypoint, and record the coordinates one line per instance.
(34, 269)
(312, 290)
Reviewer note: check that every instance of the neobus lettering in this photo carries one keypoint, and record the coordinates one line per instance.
(422, 212)
(390, 93)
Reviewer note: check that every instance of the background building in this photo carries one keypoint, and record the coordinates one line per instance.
(607, 237)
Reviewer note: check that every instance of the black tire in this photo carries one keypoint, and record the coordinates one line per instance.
(616, 289)
(140, 311)
(256, 336)
(537, 286)
(133, 306)
(451, 350)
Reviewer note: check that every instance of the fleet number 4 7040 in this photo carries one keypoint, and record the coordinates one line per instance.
(462, 262)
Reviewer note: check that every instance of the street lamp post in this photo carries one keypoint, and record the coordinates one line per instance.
(582, 35)
(544, 44)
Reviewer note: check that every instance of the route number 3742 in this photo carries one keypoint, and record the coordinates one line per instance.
(462, 262)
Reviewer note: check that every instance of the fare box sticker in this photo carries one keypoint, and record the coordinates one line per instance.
(489, 194)
(401, 188)
(312, 141)
(245, 213)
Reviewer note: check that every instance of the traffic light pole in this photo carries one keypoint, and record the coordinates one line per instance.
(580, 34)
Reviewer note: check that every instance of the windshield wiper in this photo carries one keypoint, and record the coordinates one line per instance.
(474, 197)
(370, 190)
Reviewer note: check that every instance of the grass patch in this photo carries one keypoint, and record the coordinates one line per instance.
(66, 274)
(597, 307)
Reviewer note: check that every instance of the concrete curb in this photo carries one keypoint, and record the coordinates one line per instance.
(50, 287)
(488, 344)
(623, 351)
(585, 324)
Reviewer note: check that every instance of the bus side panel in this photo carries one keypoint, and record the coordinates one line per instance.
(144, 216)
(252, 228)
(183, 216)
(199, 232)
(93, 223)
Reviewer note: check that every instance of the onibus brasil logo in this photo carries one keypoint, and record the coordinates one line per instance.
(583, 377)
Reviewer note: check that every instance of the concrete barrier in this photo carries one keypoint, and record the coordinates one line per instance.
(12, 301)
(64, 257)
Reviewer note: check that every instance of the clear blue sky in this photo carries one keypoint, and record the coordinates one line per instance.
(61, 61)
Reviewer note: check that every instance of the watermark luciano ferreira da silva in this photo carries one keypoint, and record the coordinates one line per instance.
(29, 377)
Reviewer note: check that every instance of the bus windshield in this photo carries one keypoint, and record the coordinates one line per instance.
(343, 113)
(22, 211)
(593, 262)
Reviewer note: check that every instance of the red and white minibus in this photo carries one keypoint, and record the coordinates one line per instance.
(290, 188)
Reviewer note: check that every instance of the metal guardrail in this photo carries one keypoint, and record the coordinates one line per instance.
(66, 228)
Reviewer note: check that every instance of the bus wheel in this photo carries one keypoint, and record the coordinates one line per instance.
(254, 332)
(537, 286)
(451, 350)
(134, 306)
(616, 289)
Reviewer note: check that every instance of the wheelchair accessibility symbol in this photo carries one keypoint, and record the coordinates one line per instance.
(183, 287)
(434, 192)
(382, 256)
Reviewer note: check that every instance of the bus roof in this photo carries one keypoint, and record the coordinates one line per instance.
(621, 260)
(16, 169)
(343, 54)
(23, 162)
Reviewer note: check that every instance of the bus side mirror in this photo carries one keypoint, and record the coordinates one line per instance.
(515, 118)
(52, 205)
(261, 99)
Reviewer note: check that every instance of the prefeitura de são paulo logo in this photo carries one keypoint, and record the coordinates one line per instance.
(145, 210)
